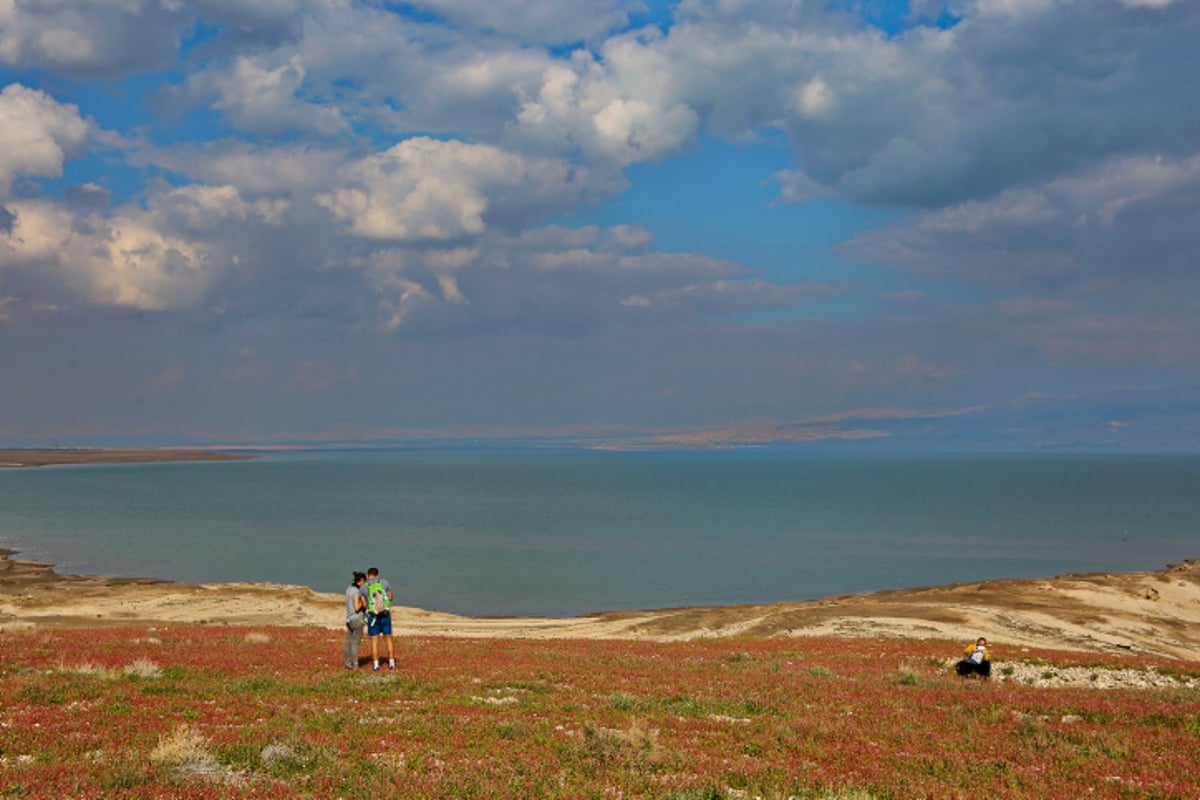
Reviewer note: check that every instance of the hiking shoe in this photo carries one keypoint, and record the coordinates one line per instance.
(375, 666)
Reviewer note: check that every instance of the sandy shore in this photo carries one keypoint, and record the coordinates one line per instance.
(1154, 613)
(59, 456)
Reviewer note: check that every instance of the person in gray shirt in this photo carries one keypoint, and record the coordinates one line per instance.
(356, 619)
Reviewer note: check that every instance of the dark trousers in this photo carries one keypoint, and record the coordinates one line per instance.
(967, 667)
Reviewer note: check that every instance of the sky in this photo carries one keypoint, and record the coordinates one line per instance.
(363, 220)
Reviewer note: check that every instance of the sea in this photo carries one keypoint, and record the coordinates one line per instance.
(563, 533)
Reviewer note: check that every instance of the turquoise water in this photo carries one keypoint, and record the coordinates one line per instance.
(567, 533)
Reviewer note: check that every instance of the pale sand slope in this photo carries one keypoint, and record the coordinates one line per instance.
(1147, 612)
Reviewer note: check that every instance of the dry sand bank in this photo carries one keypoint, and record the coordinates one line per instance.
(1144, 612)
(57, 456)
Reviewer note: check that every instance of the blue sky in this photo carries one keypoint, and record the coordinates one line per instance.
(314, 220)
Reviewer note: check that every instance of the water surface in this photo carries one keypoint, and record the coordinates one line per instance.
(564, 533)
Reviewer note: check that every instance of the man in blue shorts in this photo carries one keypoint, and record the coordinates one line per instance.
(379, 616)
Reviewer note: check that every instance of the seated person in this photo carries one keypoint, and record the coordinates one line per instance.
(975, 660)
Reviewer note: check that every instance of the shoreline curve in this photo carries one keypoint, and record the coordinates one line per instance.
(1146, 613)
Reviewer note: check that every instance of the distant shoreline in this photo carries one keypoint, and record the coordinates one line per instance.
(47, 457)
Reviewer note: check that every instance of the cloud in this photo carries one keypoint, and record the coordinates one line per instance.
(87, 196)
(1016, 91)
(627, 238)
(200, 209)
(448, 257)
(1119, 340)
(54, 257)
(429, 190)
(531, 21)
(927, 117)
(563, 282)
(260, 97)
(357, 65)
(814, 100)
(298, 169)
(39, 134)
(114, 38)
(620, 108)
(263, 23)
(100, 38)
(722, 298)
(1123, 229)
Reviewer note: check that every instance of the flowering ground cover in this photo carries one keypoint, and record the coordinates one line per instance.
(196, 711)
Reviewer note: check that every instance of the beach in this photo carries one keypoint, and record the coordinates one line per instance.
(48, 457)
(1146, 613)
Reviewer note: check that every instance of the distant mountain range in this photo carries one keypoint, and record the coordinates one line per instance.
(1165, 420)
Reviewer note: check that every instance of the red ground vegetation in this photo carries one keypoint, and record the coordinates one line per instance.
(231, 712)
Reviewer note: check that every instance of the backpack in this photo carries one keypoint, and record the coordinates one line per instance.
(377, 599)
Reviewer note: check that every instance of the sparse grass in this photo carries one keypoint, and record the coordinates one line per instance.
(636, 747)
(143, 668)
(821, 719)
(183, 745)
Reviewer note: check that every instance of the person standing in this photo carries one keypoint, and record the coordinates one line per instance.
(356, 618)
(379, 616)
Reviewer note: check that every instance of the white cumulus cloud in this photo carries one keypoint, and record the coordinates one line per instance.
(618, 111)
(427, 189)
(122, 261)
(262, 97)
(39, 134)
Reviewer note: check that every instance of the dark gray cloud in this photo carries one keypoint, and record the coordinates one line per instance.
(1016, 94)
(109, 39)
(532, 21)
(99, 39)
(261, 24)
(87, 196)
(1126, 231)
